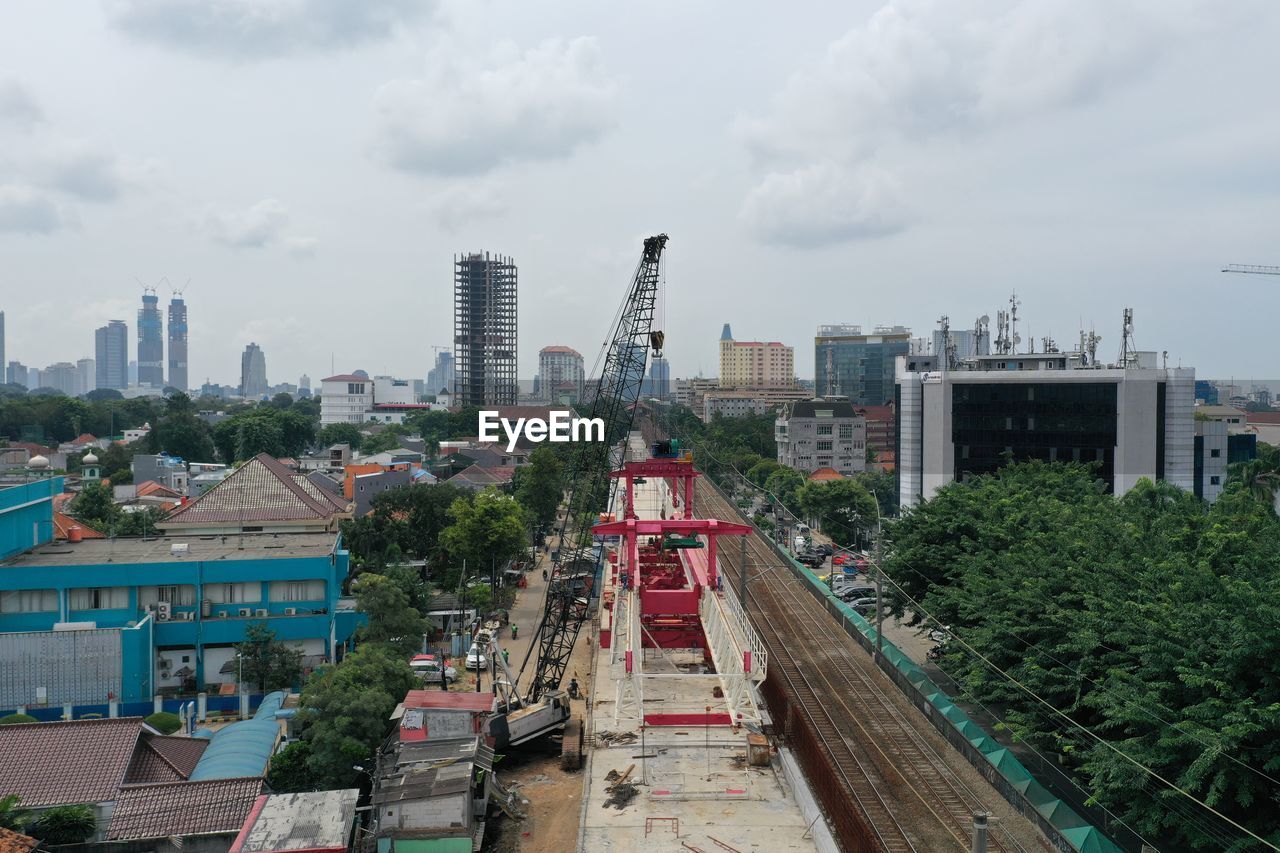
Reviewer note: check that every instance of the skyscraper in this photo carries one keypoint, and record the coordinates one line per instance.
(861, 366)
(111, 349)
(86, 375)
(440, 377)
(178, 342)
(253, 372)
(484, 330)
(659, 383)
(150, 341)
(2, 361)
(560, 374)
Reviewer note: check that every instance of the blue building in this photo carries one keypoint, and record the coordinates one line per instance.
(82, 622)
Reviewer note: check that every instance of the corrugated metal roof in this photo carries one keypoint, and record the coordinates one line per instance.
(317, 821)
(244, 748)
(182, 808)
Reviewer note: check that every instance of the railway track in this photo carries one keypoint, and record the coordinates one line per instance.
(907, 796)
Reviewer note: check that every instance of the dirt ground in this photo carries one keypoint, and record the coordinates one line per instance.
(533, 770)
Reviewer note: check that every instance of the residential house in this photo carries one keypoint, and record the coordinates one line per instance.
(319, 822)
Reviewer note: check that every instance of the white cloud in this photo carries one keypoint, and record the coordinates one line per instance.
(463, 119)
(255, 29)
(476, 200)
(17, 106)
(918, 68)
(82, 170)
(24, 210)
(823, 204)
(259, 226)
(302, 247)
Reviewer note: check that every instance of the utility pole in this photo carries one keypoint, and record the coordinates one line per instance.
(879, 572)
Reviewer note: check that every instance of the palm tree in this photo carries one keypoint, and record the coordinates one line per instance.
(1258, 477)
(12, 815)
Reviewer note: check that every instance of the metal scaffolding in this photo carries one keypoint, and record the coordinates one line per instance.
(484, 330)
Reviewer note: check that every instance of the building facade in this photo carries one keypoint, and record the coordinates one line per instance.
(1131, 421)
(967, 343)
(178, 343)
(857, 366)
(60, 377)
(111, 354)
(755, 364)
(86, 375)
(560, 374)
(484, 330)
(733, 403)
(150, 342)
(16, 374)
(659, 382)
(253, 372)
(822, 433)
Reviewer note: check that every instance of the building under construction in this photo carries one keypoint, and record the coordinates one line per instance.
(178, 342)
(150, 341)
(484, 330)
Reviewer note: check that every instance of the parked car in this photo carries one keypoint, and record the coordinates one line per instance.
(476, 659)
(839, 559)
(824, 549)
(864, 605)
(855, 593)
(427, 668)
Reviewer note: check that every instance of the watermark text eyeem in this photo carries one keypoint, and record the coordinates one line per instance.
(562, 427)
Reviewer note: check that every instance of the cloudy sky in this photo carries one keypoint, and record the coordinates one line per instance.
(312, 166)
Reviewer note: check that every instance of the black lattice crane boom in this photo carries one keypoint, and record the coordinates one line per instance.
(1252, 269)
(615, 402)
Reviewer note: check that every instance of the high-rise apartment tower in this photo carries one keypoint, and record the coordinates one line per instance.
(111, 351)
(253, 372)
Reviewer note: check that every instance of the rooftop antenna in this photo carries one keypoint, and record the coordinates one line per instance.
(981, 330)
(1014, 302)
(833, 387)
(948, 348)
(1128, 349)
(1002, 332)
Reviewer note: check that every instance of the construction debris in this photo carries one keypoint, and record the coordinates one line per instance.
(610, 738)
(622, 795)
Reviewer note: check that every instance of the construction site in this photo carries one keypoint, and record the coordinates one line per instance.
(719, 697)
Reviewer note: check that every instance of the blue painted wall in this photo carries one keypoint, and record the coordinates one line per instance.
(26, 515)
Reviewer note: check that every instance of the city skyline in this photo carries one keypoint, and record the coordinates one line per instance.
(952, 165)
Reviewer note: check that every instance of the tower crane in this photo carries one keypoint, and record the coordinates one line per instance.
(544, 707)
(1251, 269)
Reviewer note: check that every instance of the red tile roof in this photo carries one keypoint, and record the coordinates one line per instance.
(151, 488)
(161, 758)
(84, 438)
(560, 348)
(478, 476)
(62, 524)
(1262, 417)
(823, 474)
(259, 490)
(51, 764)
(183, 808)
(15, 842)
(346, 377)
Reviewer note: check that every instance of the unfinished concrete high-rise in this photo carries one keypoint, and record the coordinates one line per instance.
(484, 330)
(178, 342)
(150, 341)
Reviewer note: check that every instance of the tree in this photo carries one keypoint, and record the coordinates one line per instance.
(98, 395)
(393, 621)
(407, 521)
(96, 507)
(266, 662)
(487, 530)
(345, 710)
(340, 433)
(180, 432)
(539, 487)
(282, 400)
(12, 815)
(843, 509)
(783, 485)
(760, 473)
(64, 825)
(290, 771)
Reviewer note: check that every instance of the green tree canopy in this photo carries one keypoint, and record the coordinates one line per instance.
(265, 662)
(539, 487)
(393, 620)
(783, 485)
(64, 825)
(340, 433)
(345, 711)
(487, 530)
(842, 508)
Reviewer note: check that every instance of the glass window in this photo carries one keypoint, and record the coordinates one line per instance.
(846, 430)
(100, 598)
(304, 590)
(182, 595)
(1213, 481)
(824, 445)
(233, 593)
(1215, 452)
(28, 601)
(824, 429)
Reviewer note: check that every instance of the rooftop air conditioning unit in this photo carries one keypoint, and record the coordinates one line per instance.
(245, 611)
(165, 611)
(261, 613)
(164, 673)
(291, 611)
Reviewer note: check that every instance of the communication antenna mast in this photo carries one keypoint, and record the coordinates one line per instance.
(948, 348)
(1014, 340)
(1002, 332)
(1093, 341)
(833, 387)
(1128, 349)
(980, 332)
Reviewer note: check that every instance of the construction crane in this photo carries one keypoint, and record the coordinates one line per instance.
(543, 708)
(1251, 269)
